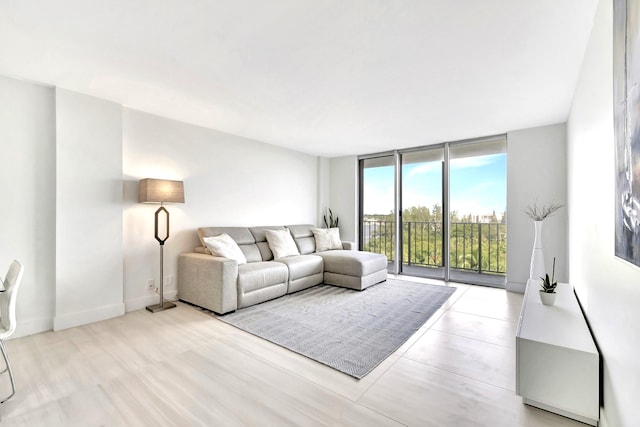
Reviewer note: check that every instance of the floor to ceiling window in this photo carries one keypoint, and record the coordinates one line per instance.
(438, 211)
(477, 211)
(422, 215)
(377, 206)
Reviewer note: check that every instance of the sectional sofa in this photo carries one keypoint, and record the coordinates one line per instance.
(224, 284)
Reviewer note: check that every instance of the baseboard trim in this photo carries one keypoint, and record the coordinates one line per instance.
(66, 321)
(142, 302)
(32, 326)
(516, 287)
(71, 320)
(582, 418)
(603, 418)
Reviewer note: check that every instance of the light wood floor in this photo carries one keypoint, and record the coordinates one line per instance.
(182, 367)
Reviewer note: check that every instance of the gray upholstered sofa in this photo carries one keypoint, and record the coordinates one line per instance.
(222, 285)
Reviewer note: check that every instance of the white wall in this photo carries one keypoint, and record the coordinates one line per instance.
(71, 218)
(324, 191)
(536, 167)
(228, 180)
(27, 185)
(608, 287)
(88, 209)
(343, 201)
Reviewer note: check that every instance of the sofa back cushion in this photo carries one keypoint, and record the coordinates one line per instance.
(303, 237)
(242, 236)
(253, 241)
(261, 240)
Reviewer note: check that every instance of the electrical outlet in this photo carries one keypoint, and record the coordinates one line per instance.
(168, 282)
(151, 284)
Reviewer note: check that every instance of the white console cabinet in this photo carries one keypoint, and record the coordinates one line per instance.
(557, 362)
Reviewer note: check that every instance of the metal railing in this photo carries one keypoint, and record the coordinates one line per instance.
(473, 246)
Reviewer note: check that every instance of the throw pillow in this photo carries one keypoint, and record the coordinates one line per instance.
(327, 239)
(224, 246)
(281, 243)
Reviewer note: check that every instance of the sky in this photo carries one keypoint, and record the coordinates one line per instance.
(478, 186)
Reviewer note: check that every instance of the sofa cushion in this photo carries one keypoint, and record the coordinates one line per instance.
(261, 240)
(258, 275)
(303, 237)
(327, 239)
(281, 243)
(302, 265)
(305, 271)
(241, 235)
(261, 281)
(353, 263)
(224, 246)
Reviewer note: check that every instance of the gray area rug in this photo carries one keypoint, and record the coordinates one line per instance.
(347, 330)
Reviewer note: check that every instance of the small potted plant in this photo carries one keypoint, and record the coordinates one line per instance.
(548, 291)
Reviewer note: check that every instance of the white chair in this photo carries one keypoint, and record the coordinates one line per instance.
(8, 314)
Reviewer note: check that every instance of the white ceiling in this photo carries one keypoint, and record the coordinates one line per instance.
(326, 77)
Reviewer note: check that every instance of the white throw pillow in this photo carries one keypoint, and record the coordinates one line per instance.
(224, 246)
(327, 239)
(281, 243)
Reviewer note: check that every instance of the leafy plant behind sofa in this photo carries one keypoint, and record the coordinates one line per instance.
(331, 223)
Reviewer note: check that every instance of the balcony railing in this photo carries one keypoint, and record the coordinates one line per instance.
(473, 246)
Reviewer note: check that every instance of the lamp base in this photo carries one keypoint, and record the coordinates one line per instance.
(159, 307)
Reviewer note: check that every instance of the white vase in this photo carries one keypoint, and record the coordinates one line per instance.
(548, 298)
(537, 269)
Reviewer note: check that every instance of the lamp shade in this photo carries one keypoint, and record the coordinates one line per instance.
(152, 190)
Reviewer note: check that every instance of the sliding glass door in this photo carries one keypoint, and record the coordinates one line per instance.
(478, 202)
(377, 206)
(422, 214)
(438, 211)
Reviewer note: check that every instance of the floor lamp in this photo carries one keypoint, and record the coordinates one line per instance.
(161, 191)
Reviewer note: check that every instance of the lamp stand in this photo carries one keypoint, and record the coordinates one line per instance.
(162, 305)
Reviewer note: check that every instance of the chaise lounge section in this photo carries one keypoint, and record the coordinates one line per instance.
(223, 284)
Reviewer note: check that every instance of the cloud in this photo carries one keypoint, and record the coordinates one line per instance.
(474, 162)
(426, 168)
(378, 200)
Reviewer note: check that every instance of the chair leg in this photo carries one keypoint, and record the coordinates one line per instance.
(6, 361)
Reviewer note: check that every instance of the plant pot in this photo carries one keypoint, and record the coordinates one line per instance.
(548, 298)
